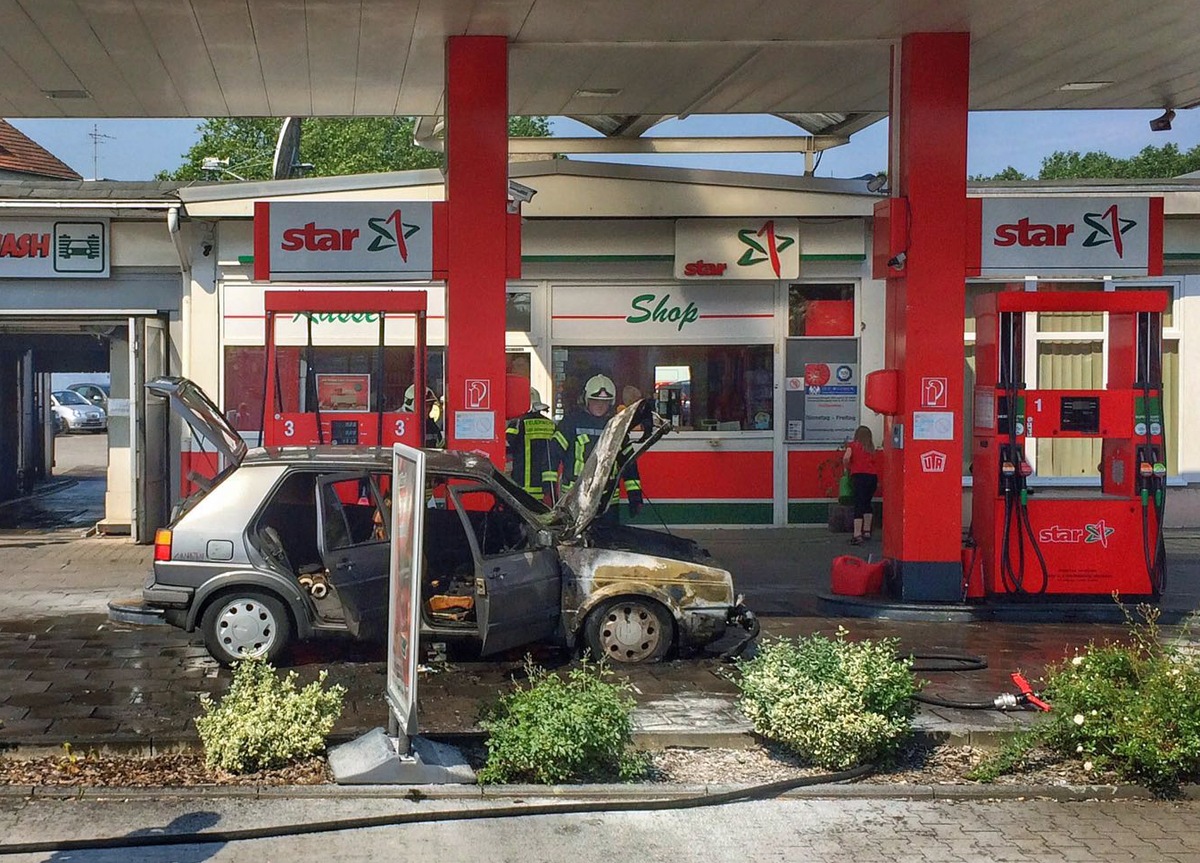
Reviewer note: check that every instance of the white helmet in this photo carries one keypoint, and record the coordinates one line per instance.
(600, 387)
(410, 394)
(535, 401)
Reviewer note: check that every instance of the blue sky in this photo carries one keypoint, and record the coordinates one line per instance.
(139, 148)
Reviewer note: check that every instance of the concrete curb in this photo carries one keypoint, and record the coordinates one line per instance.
(599, 792)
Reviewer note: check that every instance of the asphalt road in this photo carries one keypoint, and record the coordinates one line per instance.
(828, 830)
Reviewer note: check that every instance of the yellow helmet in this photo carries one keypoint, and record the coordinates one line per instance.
(410, 394)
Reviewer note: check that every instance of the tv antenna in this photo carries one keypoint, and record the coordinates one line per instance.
(96, 135)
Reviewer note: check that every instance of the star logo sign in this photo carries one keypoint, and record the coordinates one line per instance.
(764, 245)
(1107, 227)
(393, 237)
(1099, 532)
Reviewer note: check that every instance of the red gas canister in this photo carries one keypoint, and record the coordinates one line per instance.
(853, 576)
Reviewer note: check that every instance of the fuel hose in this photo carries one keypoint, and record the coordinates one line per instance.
(765, 791)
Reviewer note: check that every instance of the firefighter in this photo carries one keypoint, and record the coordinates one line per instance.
(531, 443)
(433, 431)
(579, 431)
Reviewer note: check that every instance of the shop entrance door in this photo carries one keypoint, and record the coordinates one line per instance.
(148, 428)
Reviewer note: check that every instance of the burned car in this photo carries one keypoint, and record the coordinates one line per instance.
(288, 542)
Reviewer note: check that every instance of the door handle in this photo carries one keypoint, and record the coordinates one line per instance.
(345, 563)
(496, 573)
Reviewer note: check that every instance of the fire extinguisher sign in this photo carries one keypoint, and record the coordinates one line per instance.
(934, 391)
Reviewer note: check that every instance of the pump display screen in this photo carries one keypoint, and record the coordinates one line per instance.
(1081, 414)
(344, 432)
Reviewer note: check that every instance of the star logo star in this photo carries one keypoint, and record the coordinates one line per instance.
(393, 238)
(768, 249)
(1107, 227)
(1099, 532)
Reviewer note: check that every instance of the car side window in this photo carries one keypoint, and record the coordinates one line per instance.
(350, 514)
(497, 527)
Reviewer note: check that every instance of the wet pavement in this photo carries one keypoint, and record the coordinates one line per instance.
(68, 674)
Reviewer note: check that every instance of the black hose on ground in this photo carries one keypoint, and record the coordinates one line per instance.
(933, 662)
(738, 795)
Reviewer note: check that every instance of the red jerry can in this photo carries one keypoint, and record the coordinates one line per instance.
(853, 576)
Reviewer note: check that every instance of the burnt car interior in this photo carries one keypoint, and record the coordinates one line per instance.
(286, 533)
(448, 585)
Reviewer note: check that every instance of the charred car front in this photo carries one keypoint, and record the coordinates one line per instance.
(287, 542)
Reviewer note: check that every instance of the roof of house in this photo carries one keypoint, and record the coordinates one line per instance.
(22, 155)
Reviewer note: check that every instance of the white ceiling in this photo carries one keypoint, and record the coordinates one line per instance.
(205, 58)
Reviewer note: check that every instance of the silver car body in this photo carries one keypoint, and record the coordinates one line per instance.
(554, 567)
(77, 412)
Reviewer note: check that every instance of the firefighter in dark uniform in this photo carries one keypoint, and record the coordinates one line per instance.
(579, 431)
(531, 445)
(433, 437)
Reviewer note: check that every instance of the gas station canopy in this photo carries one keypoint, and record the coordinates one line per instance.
(621, 64)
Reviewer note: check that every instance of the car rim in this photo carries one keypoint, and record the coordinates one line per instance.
(630, 632)
(246, 627)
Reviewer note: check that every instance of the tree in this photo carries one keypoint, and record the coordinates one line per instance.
(1152, 163)
(332, 145)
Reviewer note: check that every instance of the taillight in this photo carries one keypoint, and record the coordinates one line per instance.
(162, 544)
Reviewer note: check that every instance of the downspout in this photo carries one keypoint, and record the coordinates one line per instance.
(185, 310)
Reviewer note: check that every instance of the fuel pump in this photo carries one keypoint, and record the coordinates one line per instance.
(305, 404)
(1055, 542)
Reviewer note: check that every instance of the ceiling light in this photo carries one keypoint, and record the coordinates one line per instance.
(1085, 85)
(66, 94)
(597, 92)
(1162, 123)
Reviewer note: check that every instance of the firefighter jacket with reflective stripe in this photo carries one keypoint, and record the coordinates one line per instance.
(579, 432)
(531, 446)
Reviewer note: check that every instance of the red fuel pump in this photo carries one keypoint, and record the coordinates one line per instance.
(1046, 542)
(344, 394)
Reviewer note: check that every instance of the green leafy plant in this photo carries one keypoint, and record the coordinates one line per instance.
(833, 702)
(1133, 708)
(263, 721)
(557, 729)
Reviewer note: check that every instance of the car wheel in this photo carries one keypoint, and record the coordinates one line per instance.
(630, 629)
(245, 623)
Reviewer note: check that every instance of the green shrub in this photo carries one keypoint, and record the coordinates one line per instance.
(1133, 708)
(572, 729)
(833, 702)
(264, 722)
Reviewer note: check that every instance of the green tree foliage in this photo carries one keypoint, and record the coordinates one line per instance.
(1152, 163)
(332, 145)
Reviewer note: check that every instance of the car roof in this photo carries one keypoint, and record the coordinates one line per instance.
(357, 458)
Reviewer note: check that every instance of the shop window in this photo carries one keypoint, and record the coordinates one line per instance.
(703, 388)
(1070, 322)
(334, 369)
(821, 310)
(518, 312)
(1063, 365)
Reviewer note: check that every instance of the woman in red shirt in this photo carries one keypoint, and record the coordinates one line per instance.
(859, 459)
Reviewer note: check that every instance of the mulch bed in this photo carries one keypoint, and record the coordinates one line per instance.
(917, 765)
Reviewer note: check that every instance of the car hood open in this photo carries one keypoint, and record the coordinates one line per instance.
(197, 410)
(591, 494)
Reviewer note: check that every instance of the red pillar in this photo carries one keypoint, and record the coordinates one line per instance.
(925, 303)
(477, 191)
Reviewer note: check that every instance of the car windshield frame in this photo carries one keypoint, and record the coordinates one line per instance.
(79, 399)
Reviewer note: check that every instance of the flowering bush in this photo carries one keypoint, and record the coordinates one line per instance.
(264, 722)
(1133, 708)
(834, 702)
(562, 730)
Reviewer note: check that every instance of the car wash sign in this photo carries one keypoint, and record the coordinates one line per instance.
(48, 249)
(343, 241)
(725, 249)
(1069, 237)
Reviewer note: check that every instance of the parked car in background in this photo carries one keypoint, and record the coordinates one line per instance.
(77, 412)
(286, 542)
(97, 394)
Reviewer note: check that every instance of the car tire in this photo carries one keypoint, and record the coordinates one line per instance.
(245, 623)
(629, 630)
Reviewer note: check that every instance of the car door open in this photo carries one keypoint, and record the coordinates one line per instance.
(518, 586)
(352, 527)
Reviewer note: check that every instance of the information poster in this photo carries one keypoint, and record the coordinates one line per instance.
(830, 401)
(408, 530)
(344, 392)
